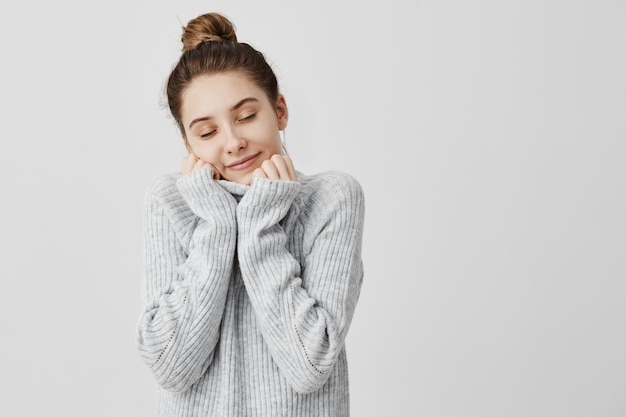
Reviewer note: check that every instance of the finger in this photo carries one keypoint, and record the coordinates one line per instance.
(292, 171)
(257, 173)
(270, 169)
(188, 163)
(216, 174)
(198, 165)
(281, 167)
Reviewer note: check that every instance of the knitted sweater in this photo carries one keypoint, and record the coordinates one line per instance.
(249, 292)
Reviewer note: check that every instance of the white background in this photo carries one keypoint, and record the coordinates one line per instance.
(489, 137)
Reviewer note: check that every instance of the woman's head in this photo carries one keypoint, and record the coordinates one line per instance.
(209, 47)
(224, 97)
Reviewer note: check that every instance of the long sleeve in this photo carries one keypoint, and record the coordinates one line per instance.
(189, 248)
(304, 307)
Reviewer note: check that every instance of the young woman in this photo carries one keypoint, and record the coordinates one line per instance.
(252, 270)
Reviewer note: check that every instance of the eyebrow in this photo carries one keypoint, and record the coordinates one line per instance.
(235, 107)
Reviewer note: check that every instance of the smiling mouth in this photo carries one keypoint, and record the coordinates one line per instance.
(243, 163)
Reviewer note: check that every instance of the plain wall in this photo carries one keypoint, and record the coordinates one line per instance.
(490, 140)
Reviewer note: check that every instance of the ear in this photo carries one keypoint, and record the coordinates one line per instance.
(282, 112)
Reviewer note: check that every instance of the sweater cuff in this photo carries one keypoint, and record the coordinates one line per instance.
(271, 193)
(197, 185)
(203, 194)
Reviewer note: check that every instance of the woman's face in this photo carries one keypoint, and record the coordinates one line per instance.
(230, 123)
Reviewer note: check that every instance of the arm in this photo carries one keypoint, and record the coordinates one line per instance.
(190, 235)
(304, 310)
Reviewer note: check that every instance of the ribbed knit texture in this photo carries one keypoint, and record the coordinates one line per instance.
(249, 292)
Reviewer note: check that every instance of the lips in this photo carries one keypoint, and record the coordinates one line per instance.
(244, 162)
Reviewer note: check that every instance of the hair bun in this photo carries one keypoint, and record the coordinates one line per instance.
(210, 27)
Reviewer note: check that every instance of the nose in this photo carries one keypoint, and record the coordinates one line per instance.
(234, 140)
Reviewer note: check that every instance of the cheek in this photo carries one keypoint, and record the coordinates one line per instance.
(207, 153)
(274, 141)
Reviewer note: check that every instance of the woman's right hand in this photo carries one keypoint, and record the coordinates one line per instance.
(192, 163)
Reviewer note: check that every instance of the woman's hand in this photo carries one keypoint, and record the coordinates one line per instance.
(278, 167)
(192, 163)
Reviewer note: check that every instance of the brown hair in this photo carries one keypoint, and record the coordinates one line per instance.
(210, 46)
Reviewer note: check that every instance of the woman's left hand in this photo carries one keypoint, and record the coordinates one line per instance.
(278, 167)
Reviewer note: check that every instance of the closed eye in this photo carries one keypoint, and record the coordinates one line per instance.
(249, 117)
(208, 134)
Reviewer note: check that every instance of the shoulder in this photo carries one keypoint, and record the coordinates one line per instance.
(163, 195)
(330, 182)
(332, 193)
(163, 188)
(334, 185)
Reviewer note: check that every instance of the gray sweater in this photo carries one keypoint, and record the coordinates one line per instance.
(249, 292)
